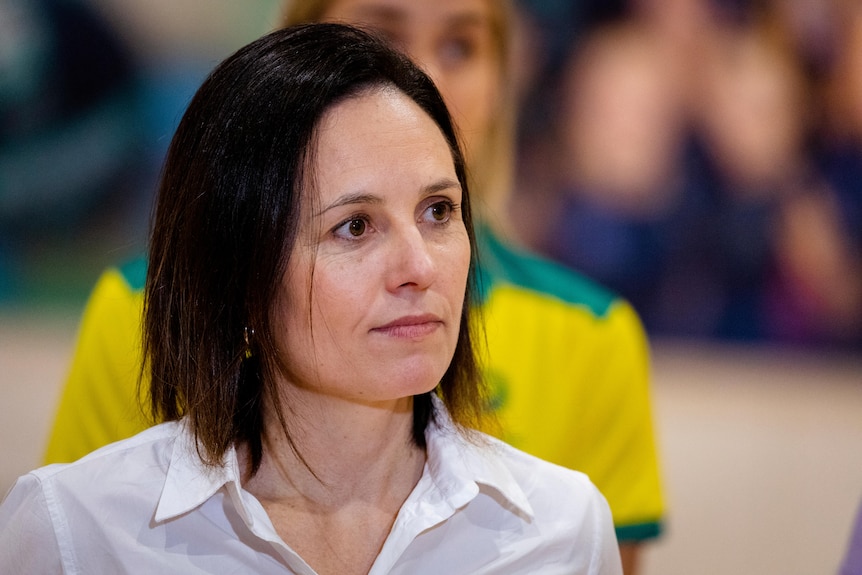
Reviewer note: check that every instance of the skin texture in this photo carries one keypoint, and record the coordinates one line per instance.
(370, 313)
(368, 266)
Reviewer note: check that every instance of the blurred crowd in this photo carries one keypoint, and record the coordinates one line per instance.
(704, 159)
(701, 157)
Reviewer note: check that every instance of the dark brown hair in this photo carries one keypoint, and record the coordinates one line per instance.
(226, 221)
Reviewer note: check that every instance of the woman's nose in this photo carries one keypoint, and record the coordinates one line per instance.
(411, 262)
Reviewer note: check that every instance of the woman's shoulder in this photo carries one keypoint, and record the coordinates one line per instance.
(108, 499)
(130, 460)
(568, 519)
(475, 456)
(548, 492)
(122, 477)
(542, 478)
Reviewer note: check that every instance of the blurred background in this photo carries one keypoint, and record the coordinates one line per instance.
(701, 157)
(704, 159)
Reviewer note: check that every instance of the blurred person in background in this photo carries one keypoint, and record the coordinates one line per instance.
(838, 151)
(617, 153)
(71, 133)
(687, 182)
(840, 138)
(757, 124)
(567, 359)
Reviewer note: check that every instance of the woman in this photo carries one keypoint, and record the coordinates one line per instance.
(568, 361)
(307, 342)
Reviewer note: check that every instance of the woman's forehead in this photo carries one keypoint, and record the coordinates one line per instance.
(365, 134)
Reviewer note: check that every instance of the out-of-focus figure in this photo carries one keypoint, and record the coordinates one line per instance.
(687, 182)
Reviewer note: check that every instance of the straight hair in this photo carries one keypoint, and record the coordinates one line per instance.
(226, 220)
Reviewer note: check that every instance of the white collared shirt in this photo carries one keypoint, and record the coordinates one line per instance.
(148, 505)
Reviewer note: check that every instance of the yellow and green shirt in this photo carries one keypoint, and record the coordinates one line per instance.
(568, 363)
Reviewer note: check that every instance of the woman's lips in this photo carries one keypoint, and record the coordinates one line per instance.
(411, 326)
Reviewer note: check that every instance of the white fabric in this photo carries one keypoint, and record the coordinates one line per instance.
(147, 505)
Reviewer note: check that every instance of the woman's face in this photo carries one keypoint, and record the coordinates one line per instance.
(372, 297)
(453, 41)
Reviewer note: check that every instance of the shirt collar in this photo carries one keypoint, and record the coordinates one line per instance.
(458, 463)
(459, 459)
(189, 483)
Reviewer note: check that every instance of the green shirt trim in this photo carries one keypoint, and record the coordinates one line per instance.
(503, 263)
(638, 532)
(135, 273)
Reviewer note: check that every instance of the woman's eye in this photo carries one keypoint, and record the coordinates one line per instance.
(352, 228)
(356, 227)
(441, 211)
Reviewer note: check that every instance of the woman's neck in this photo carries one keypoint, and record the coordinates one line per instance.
(336, 512)
(341, 451)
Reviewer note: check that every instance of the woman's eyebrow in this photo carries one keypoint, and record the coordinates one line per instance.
(364, 198)
(352, 199)
(441, 185)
